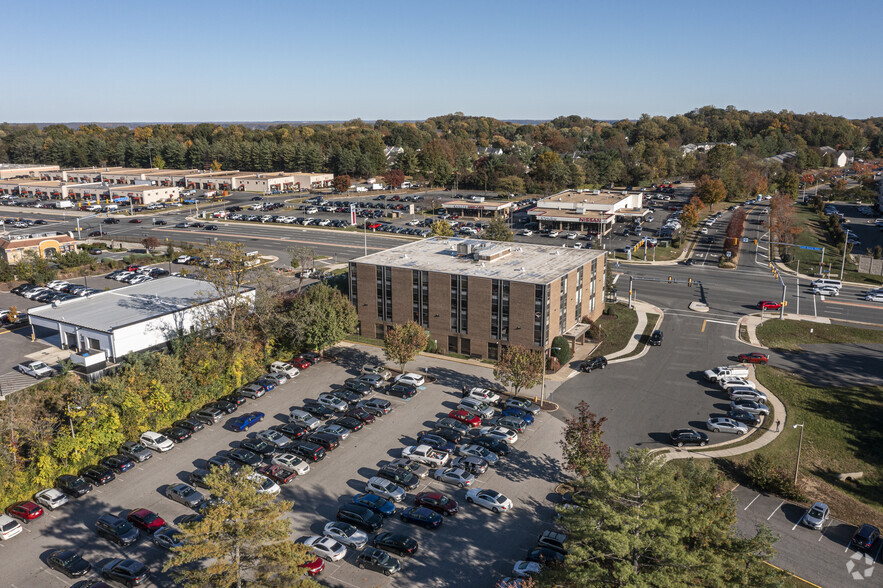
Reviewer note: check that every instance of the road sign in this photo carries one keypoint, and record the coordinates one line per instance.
(745, 239)
(810, 248)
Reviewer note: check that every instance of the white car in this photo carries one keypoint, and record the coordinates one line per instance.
(749, 393)
(572, 236)
(825, 291)
(726, 425)
(410, 379)
(728, 382)
(274, 438)
(346, 534)
(155, 441)
(57, 284)
(385, 489)
(9, 527)
(326, 547)
(525, 569)
(51, 498)
(479, 451)
(554, 233)
(265, 485)
(501, 433)
(704, 230)
(483, 394)
(874, 297)
(527, 232)
(489, 499)
(290, 461)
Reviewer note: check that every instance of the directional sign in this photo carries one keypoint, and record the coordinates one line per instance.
(810, 248)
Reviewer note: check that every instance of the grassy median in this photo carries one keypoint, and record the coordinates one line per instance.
(791, 335)
(617, 325)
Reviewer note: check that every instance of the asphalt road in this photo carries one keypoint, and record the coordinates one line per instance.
(472, 539)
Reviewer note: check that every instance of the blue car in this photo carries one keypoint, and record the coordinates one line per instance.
(373, 502)
(517, 412)
(267, 384)
(245, 421)
(422, 516)
(435, 441)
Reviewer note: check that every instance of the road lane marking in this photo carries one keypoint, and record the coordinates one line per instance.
(775, 511)
(752, 502)
(703, 326)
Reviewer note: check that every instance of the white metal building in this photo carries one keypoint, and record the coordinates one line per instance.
(128, 319)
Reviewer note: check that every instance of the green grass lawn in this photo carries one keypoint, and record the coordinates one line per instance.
(841, 435)
(792, 334)
(616, 328)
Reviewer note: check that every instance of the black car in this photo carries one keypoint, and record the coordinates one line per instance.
(681, 437)
(400, 476)
(360, 388)
(351, 423)
(97, 474)
(234, 398)
(493, 444)
(403, 391)
(656, 338)
(308, 450)
(327, 441)
(317, 410)
(743, 416)
(312, 357)
(197, 478)
(290, 430)
(244, 456)
(136, 451)
(220, 461)
(378, 560)
(118, 463)
(223, 406)
(449, 435)
(111, 221)
(865, 537)
(126, 571)
(73, 486)
(360, 516)
(593, 363)
(348, 396)
(396, 543)
(451, 425)
(116, 530)
(69, 563)
(258, 446)
(176, 434)
(192, 425)
(545, 556)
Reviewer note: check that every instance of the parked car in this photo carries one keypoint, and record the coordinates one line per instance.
(156, 442)
(489, 499)
(378, 561)
(326, 547)
(402, 390)
(70, 563)
(438, 502)
(245, 421)
(385, 489)
(726, 425)
(176, 434)
(395, 543)
(376, 406)
(865, 537)
(116, 530)
(51, 498)
(167, 538)
(421, 516)
(522, 404)
(359, 516)
(749, 406)
(754, 358)
(308, 450)
(816, 515)
(192, 425)
(455, 476)
(373, 502)
(346, 534)
(291, 462)
(146, 520)
(73, 486)
(495, 445)
(126, 571)
(411, 379)
(25, 511)
(377, 368)
(258, 446)
(681, 437)
(244, 456)
(97, 474)
(593, 363)
(208, 415)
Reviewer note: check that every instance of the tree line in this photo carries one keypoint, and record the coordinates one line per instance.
(569, 151)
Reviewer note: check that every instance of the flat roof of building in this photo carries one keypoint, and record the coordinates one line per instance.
(587, 196)
(471, 204)
(93, 169)
(130, 305)
(173, 172)
(138, 188)
(26, 166)
(130, 170)
(526, 262)
(267, 176)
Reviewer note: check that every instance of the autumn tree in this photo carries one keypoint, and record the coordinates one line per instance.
(216, 165)
(690, 213)
(341, 183)
(158, 162)
(781, 221)
(150, 243)
(519, 368)
(403, 342)
(34, 268)
(319, 317)
(244, 538)
(644, 523)
(498, 230)
(710, 191)
(584, 450)
(394, 178)
(441, 228)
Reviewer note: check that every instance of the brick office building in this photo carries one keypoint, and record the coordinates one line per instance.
(477, 297)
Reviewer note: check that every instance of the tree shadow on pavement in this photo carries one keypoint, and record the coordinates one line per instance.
(521, 466)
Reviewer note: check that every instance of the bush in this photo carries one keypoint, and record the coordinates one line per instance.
(764, 476)
(562, 353)
(878, 252)
(787, 257)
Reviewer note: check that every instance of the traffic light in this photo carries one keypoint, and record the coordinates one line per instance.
(669, 279)
(689, 281)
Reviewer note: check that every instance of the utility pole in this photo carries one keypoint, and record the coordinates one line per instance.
(630, 291)
(845, 247)
(799, 447)
(797, 287)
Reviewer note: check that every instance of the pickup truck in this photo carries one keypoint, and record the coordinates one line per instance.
(739, 371)
(426, 455)
(286, 368)
(38, 369)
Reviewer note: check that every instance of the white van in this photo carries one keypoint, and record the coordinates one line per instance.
(827, 283)
(111, 208)
(93, 208)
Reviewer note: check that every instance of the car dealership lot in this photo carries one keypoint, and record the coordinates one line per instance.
(528, 475)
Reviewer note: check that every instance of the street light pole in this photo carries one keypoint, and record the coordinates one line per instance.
(845, 247)
(799, 447)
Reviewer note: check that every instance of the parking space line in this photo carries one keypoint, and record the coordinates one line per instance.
(775, 511)
(703, 326)
(752, 502)
(800, 520)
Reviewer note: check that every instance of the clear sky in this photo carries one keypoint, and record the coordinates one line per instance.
(266, 60)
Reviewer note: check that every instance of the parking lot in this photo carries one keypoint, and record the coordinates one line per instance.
(823, 556)
(483, 545)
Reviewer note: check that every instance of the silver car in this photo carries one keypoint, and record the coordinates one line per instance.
(726, 425)
(385, 489)
(186, 495)
(456, 476)
(750, 406)
(341, 433)
(816, 516)
(346, 534)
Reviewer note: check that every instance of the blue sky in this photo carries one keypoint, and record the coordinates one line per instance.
(195, 60)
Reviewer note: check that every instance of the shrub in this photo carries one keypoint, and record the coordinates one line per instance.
(878, 252)
(764, 476)
(562, 353)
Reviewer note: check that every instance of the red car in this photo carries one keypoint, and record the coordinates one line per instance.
(277, 473)
(314, 567)
(26, 511)
(753, 358)
(363, 415)
(465, 417)
(768, 305)
(146, 520)
(438, 502)
(135, 220)
(300, 363)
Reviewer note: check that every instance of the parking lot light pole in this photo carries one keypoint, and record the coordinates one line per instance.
(799, 447)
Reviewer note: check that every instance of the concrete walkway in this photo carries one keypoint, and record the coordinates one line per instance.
(765, 438)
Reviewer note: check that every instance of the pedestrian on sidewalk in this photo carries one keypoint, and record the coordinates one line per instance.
(778, 422)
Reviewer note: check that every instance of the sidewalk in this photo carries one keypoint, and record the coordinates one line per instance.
(765, 438)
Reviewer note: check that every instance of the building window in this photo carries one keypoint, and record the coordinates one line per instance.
(452, 344)
(541, 315)
(384, 293)
(562, 321)
(493, 351)
(459, 304)
(379, 332)
(420, 293)
(500, 309)
(94, 344)
(593, 285)
(578, 311)
(354, 298)
(465, 347)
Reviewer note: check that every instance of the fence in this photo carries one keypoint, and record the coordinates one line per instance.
(869, 265)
